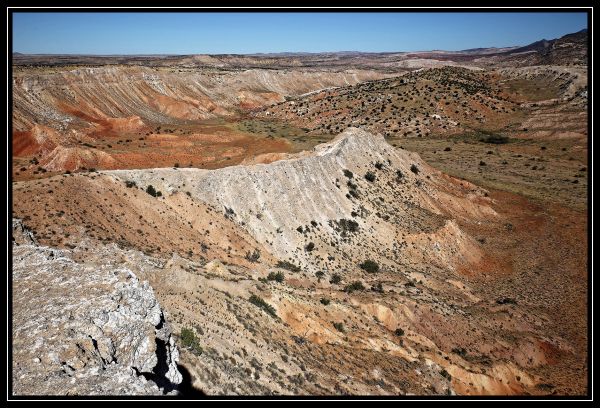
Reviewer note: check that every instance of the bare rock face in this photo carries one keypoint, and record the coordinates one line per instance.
(21, 235)
(85, 328)
(320, 203)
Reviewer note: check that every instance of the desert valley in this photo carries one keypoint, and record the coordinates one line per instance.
(410, 223)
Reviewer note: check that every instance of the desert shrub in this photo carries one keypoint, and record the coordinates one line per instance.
(276, 276)
(494, 139)
(130, 184)
(482, 163)
(370, 176)
(288, 266)
(344, 226)
(325, 301)
(414, 168)
(356, 285)
(254, 256)
(258, 301)
(379, 165)
(152, 191)
(399, 332)
(348, 225)
(310, 247)
(335, 278)
(369, 266)
(506, 301)
(190, 341)
(378, 287)
(339, 326)
(348, 173)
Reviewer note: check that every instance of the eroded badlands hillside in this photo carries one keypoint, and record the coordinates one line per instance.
(521, 102)
(82, 95)
(134, 117)
(263, 225)
(356, 249)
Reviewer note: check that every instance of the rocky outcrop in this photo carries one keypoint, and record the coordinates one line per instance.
(85, 328)
(328, 199)
(20, 233)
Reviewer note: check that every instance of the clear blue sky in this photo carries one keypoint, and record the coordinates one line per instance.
(220, 33)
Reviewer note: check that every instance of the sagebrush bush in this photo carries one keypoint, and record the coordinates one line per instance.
(356, 285)
(276, 276)
(288, 265)
(339, 326)
(253, 256)
(370, 266)
(190, 341)
(336, 278)
(258, 301)
(152, 191)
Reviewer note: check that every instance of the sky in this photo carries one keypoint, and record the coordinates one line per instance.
(257, 32)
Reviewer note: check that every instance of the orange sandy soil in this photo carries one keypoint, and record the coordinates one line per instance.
(207, 149)
(202, 145)
(539, 258)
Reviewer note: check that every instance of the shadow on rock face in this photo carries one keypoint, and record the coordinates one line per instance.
(186, 389)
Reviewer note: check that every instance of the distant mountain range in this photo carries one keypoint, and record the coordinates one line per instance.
(570, 49)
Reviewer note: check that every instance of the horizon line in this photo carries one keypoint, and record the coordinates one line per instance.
(262, 53)
(291, 52)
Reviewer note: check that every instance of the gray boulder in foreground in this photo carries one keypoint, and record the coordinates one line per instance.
(83, 328)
